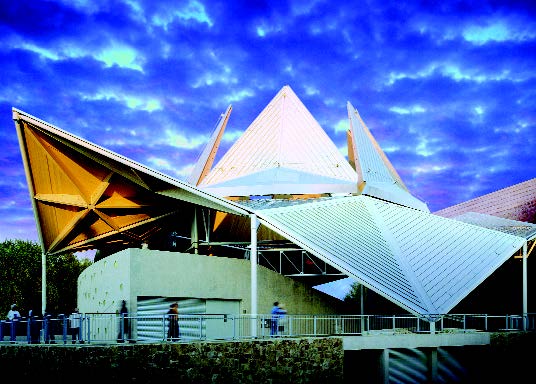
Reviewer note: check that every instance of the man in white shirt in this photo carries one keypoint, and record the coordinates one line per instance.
(13, 316)
(13, 313)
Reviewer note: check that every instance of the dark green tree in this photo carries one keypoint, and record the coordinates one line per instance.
(20, 278)
(373, 303)
(353, 297)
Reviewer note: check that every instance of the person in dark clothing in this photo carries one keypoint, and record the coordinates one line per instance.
(49, 327)
(75, 320)
(34, 328)
(173, 322)
(124, 323)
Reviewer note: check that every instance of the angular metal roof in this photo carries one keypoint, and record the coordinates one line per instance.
(376, 173)
(423, 262)
(85, 196)
(517, 202)
(283, 151)
(513, 227)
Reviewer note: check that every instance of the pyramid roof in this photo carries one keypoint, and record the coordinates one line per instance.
(283, 151)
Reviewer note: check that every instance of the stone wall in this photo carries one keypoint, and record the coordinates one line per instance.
(318, 360)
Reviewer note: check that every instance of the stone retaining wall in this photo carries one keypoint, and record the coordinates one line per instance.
(318, 360)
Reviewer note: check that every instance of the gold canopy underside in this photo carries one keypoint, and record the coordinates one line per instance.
(80, 201)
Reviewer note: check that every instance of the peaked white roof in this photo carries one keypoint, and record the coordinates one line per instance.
(423, 262)
(284, 151)
(374, 168)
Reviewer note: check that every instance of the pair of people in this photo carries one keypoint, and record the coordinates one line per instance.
(278, 312)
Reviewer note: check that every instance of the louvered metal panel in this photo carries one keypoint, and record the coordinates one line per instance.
(448, 258)
(345, 234)
(152, 324)
(423, 262)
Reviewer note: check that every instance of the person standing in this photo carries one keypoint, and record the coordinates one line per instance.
(49, 327)
(173, 322)
(13, 316)
(13, 313)
(124, 323)
(75, 320)
(34, 328)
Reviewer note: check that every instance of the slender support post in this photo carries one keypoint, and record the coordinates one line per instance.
(362, 305)
(253, 261)
(194, 234)
(525, 301)
(43, 282)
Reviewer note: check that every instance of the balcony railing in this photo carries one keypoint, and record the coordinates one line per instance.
(113, 328)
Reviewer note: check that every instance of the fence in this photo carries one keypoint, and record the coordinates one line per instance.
(112, 328)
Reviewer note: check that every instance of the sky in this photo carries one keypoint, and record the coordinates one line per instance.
(448, 89)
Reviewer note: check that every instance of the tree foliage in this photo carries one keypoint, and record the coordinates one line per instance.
(373, 303)
(20, 278)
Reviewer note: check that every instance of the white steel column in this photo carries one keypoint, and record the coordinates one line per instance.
(43, 282)
(253, 261)
(194, 234)
(525, 308)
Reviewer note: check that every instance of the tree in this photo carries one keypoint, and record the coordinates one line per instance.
(20, 278)
(354, 296)
(373, 303)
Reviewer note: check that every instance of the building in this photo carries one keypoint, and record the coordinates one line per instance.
(282, 198)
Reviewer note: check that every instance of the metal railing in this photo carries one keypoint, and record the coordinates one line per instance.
(113, 328)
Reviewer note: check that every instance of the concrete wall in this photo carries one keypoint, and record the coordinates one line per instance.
(143, 272)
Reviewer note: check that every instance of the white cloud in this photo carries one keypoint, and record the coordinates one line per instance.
(239, 95)
(132, 102)
(194, 10)
(342, 126)
(498, 32)
(409, 110)
(179, 140)
(122, 56)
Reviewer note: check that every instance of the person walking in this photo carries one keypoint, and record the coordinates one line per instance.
(173, 322)
(277, 312)
(75, 321)
(124, 323)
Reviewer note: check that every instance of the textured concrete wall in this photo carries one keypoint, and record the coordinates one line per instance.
(142, 272)
(279, 361)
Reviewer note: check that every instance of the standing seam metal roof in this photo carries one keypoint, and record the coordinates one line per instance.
(423, 262)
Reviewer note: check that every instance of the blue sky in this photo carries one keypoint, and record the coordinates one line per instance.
(447, 88)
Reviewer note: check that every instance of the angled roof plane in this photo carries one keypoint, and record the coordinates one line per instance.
(356, 215)
(283, 151)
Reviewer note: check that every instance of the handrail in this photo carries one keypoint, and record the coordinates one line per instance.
(112, 327)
